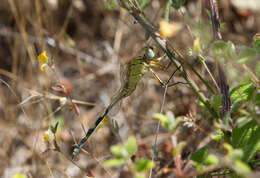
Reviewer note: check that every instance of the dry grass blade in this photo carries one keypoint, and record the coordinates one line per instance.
(51, 96)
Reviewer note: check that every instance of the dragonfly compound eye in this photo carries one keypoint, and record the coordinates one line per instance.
(150, 52)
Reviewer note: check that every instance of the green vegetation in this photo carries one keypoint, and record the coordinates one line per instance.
(190, 81)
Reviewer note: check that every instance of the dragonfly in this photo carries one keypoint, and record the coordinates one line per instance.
(132, 73)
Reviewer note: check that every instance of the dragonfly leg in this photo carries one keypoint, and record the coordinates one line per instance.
(172, 84)
(157, 77)
(155, 61)
(157, 65)
(167, 82)
(160, 58)
(166, 66)
(163, 84)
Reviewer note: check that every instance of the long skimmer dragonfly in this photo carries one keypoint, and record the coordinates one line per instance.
(133, 72)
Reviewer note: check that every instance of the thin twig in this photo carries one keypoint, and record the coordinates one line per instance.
(161, 111)
(210, 74)
(252, 75)
(158, 129)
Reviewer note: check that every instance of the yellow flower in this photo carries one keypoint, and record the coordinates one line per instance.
(43, 57)
(256, 36)
(46, 136)
(43, 66)
(169, 29)
(19, 175)
(197, 45)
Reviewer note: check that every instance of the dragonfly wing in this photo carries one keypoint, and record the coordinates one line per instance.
(123, 73)
(123, 78)
(115, 109)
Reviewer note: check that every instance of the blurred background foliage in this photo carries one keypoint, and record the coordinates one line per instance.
(85, 42)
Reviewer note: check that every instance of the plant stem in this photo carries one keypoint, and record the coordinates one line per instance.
(174, 56)
(167, 10)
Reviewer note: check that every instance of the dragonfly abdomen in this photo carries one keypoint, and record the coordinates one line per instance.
(90, 131)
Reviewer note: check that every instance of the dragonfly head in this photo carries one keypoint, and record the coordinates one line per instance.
(150, 52)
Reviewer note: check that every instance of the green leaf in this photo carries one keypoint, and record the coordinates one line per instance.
(126, 150)
(143, 3)
(177, 151)
(236, 154)
(209, 16)
(257, 99)
(130, 146)
(199, 102)
(222, 25)
(160, 116)
(163, 118)
(168, 121)
(235, 106)
(228, 148)
(171, 122)
(246, 54)
(143, 165)
(124, 4)
(241, 167)
(200, 155)
(56, 124)
(118, 150)
(109, 4)
(176, 4)
(242, 92)
(140, 175)
(218, 136)
(255, 163)
(242, 120)
(211, 159)
(54, 128)
(224, 50)
(247, 138)
(216, 102)
(115, 125)
(114, 162)
(256, 43)
(258, 69)
(199, 167)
